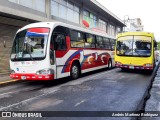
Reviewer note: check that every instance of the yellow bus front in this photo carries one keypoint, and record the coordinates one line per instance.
(135, 50)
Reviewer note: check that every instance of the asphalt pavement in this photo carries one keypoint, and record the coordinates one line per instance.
(105, 90)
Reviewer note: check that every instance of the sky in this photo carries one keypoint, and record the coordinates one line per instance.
(147, 10)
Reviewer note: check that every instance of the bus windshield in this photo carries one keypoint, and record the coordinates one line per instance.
(134, 46)
(30, 44)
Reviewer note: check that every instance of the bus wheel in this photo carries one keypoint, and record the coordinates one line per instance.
(109, 64)
(75, 71)
(123, 69)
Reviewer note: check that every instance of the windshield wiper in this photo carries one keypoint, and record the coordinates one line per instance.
(29, 52)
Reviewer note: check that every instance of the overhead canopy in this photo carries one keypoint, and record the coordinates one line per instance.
(93, 4)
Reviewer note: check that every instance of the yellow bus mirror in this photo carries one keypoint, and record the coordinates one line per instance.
(155, 44)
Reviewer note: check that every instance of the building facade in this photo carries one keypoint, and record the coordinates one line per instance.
(133, 25)
(14, 14)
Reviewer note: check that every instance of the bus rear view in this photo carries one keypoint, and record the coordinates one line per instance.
(135, 50)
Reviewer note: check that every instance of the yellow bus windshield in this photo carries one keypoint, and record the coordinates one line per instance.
(134, 46)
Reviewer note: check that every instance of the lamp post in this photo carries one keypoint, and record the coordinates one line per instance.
(125, 21)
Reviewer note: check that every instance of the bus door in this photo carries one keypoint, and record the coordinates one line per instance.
(60, 47)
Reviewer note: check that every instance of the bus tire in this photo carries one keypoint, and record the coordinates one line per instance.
(150, 71)
(109, 64)
(75, 71)
(123, 69)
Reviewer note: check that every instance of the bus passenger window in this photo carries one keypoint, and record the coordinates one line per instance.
(113, 43)
(60, 42)
(77, 39)
(90, 41)
(107, 44)
(100, 43)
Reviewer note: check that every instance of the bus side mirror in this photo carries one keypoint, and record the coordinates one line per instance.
(155, 44)
(155, 48)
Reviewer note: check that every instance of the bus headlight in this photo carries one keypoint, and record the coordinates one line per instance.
(148, 65)
(118, 63)
(45, 71)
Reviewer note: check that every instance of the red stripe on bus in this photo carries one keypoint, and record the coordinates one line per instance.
(39, 30)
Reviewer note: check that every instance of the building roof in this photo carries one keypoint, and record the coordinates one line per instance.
(108, 13)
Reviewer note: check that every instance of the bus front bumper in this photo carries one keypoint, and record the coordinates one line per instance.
(134, 67)
(23, 76)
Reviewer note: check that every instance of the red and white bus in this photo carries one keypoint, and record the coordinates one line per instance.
(52, 50)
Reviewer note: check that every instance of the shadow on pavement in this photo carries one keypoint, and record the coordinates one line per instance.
(143, 72)
(57, 82)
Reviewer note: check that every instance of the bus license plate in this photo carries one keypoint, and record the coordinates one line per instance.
(131, 67)
(23, 77)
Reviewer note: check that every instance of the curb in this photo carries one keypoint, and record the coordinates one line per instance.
(146, 97)
(8, 82)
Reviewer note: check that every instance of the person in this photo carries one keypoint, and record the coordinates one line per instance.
(144, 46)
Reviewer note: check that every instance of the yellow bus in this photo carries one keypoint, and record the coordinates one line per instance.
(135, 50)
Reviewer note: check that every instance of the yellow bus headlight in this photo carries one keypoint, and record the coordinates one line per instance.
(118, 63)
(148, 65)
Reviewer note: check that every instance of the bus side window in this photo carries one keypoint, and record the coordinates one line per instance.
(60, 42)
(77, 39)
(90, 41)
(113, 42)
(99, 42)
(107, 43)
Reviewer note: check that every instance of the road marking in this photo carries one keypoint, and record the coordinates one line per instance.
(20, 90)
(8, 81)
(6, 93)
(82, 101)
(27, 100)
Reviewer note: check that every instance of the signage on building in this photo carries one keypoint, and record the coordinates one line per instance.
(85, 23)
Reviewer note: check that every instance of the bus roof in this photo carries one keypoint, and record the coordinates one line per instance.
(135, 33)
(52, 25)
